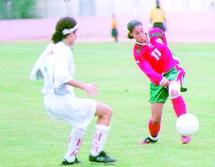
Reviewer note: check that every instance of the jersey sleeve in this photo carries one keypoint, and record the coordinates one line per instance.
(157, 34)
(62, 68)
(154, 77)
(36, 71)
(144, 65)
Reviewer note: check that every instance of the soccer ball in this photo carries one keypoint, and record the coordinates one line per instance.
(187, 124)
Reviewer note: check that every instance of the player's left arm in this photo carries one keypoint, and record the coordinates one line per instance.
(36, 72)
(158, 35)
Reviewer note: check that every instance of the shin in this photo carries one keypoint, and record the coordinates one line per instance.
(178, 102)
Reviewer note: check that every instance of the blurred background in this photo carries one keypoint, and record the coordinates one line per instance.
(187, 20)
(28, 138)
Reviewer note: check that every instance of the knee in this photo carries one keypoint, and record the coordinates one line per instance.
(108, 112)
(174, 93)
(174, 89)
(104, 111)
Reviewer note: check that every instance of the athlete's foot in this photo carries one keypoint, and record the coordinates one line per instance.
(149, 140)
(183, 89)
(101, 158)
(65, 162)
(185, 139)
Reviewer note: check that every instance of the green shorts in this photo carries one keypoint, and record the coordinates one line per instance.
(159, 94)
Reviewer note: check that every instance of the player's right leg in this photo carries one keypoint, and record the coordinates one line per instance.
(178, 103)
(97, 154)
(158, 96)
(78, 112)
(75, 140)
(154, 123)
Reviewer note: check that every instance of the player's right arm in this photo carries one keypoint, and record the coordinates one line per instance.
(155, 77)
(90, 89)
(63, 76)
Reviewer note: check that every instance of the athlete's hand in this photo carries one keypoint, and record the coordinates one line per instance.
(91, 89)
(164, 82)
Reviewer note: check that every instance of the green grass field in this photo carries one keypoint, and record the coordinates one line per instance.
(29, 138)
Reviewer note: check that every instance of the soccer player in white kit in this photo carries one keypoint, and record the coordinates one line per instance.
(56, 67)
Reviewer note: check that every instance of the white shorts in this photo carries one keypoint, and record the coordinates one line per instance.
(76, 111)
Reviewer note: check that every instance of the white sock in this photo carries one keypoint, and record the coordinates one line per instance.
(75, 141)
(154, 138)
(99, 139)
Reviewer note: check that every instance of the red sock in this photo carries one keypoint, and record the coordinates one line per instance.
(179, 106)
(154, 128)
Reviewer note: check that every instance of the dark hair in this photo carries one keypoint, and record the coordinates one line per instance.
(131, 25)
(63, 23)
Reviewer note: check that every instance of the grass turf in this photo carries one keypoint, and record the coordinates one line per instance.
(29, 138)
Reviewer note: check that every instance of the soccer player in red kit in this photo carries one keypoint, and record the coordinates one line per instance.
(156, 60)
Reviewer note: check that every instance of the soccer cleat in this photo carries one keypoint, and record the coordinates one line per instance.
(65, 162)
(149, 140)
(101, 158)
(185, 139)
(183, 89)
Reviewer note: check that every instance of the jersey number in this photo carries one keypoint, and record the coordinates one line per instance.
(156, 54)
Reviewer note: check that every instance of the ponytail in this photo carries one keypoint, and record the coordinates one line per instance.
(63, 23)
(57, 37)
(129, 36)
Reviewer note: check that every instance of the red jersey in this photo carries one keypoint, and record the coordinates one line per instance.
(154, 58)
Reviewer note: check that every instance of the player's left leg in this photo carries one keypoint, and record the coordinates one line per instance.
(154, 123)
(74, 144)
(178, 103)
(97, 154)
(158, 96)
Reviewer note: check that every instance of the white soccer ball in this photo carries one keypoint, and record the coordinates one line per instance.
(187, 124)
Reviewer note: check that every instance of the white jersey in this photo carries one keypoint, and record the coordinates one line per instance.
(56, 67)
